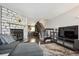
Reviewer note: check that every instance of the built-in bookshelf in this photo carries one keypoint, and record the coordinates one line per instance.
(9, 20)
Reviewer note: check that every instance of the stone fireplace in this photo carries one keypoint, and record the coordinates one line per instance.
(17, 34)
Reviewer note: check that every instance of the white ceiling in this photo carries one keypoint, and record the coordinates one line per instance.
(40, 10)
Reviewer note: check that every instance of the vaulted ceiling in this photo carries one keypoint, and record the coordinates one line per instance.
(40, 10)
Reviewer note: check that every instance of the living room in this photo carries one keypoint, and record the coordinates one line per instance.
(39, 29)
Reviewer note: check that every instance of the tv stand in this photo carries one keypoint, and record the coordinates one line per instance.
(74, 45)
(68, 37)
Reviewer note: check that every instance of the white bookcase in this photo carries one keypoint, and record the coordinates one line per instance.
(8, 21)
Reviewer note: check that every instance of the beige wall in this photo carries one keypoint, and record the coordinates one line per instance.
(25, 29)
(66, 19)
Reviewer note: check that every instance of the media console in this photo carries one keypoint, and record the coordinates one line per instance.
(69, 37)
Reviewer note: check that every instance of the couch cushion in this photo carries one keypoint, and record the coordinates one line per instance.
(1, 42)
(8, 38)
(5, 51)
(9, 46)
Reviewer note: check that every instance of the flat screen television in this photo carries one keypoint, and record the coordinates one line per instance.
(70, 35)
(70, 32)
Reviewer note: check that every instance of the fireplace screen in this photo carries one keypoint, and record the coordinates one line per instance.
(17, 34)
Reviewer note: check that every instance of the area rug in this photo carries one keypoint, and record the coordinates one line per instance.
(54, 49)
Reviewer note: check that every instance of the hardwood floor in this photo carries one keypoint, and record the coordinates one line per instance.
(53, 49)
